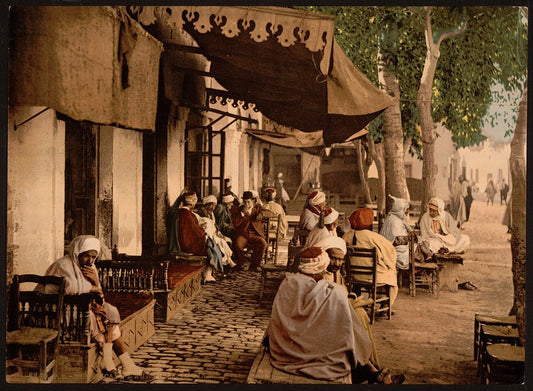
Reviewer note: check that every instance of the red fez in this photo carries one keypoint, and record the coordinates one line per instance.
(361, 218)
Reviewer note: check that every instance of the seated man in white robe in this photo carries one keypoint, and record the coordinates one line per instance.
(207, 221)
(81, 276)
(316, 203)
(396, 228)
(314, 330)
(439, 230)
(325, 227)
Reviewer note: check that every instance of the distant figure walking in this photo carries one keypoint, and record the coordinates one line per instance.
(468, 198)
(504, 189)
(491, 191)
(457, 202)
(281, 194)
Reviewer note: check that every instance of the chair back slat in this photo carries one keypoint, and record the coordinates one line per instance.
(32, 308)
(361, 265)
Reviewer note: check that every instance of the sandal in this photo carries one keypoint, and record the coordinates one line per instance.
(143, 377)
(398, 379)
(379, 376)
(110, 373)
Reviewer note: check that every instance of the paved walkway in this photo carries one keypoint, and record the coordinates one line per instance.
(213, 339)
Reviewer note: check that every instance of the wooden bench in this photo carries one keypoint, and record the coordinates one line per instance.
(262, 372)
(173, 281)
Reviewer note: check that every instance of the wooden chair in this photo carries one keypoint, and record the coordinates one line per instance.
(293, 254)
(494, 320)
(492, 334)
(361, 275)
(299, 237)
(272, 238)
(422, 274)
(34, 325)
(504, 364)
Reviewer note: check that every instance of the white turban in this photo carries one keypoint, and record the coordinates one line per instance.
(227, 198)
(190, 198)
(84, 243)
(437, 203)
(316, 198)
(334, 242)
(255, 193)
(313, 260)
(210, 199)
(331, 217)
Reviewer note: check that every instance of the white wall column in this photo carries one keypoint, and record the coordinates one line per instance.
(35, 190)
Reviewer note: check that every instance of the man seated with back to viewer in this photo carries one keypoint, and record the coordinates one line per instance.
(249, 231)
(326, 226)
(276, 209)
(81, 276)
(314, 331)
(315, 204)
(361, 235)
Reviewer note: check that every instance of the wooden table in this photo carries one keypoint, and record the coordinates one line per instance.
(449, 270)
(293, 220)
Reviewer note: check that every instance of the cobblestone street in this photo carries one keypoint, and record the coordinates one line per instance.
(213, 339)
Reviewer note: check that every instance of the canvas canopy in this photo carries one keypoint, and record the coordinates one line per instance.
(90, 63)
(285, 61)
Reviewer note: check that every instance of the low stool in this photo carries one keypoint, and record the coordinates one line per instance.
(491, 334)
(504, 364)
(496, 320)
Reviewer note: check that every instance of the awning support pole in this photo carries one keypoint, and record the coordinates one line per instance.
(302, 182)
(229, 124)
(206, 108)
(29, 119)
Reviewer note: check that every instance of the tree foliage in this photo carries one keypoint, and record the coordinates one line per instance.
(492, 51)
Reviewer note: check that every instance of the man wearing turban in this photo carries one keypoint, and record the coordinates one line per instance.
(396, 228)
(222, 214)
(81, 276)
(276, 209)
(439, 230)
(316, 203)
(335, 247)
(208, 223)
(186, 235)
(314, 331)
(189, 236)
(325, 228)
(361, 235)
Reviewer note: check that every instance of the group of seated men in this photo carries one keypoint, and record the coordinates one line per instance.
(317, 327)
(226, 231)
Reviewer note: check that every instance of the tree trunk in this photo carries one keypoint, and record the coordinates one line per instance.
(376, 151)
(518, 213)
(424, 104)
(395, 182)
(360, 169)
(426, 122)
